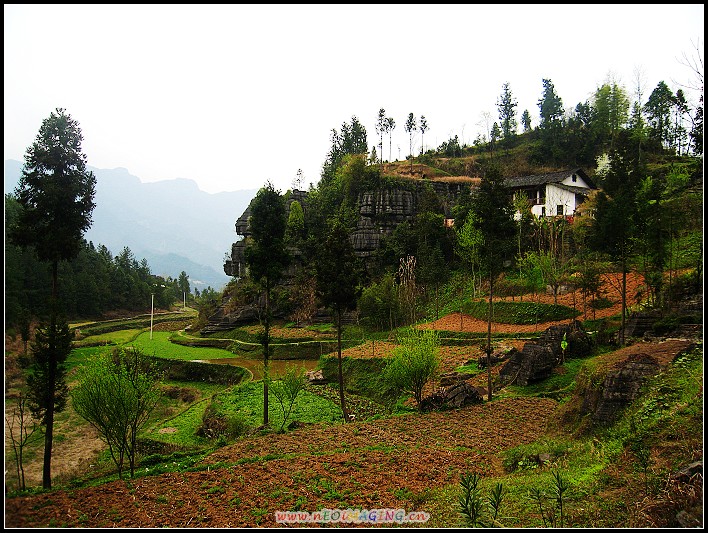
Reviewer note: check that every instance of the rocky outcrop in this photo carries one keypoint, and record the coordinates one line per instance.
(452, 378)
(538, 358)
(620, 387)
(379, 213)
(382, 210)
(454, 397)
(616, 379)
(235, 264)
(223, 321)
(315, 377)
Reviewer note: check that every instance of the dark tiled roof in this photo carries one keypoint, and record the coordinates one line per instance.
(541, 179)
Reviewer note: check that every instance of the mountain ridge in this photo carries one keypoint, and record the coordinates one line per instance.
(172, 224)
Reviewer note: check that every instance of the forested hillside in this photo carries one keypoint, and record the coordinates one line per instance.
(646, 215)
(474, 363)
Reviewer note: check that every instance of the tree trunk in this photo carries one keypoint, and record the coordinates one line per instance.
(489, 338)
(51, 393)
(341, 373)
(266, 354)
(624, 297)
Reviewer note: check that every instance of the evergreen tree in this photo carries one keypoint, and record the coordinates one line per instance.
(507, 112)
(679, 134)
(410, 128)
(526, 120)
(616, 212)
(338, 286)
(350, 140)
(56, 193)
(658, 110)
(495, 135)
(494, 219)
(47, 387)
(697, 130)
(183, 284)
(267, 259)
(551, 124)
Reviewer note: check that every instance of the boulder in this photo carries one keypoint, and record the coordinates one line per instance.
(454, 397)
(538, 358)
(620, 387)
(315, 377)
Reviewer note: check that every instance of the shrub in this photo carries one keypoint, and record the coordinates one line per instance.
(286, 390)
(415, 362)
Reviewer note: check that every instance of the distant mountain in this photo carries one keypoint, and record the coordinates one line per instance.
(172, 224)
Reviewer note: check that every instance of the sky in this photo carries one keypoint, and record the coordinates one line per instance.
(236, 96)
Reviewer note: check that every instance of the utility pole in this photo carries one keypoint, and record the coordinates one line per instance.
(152, 312)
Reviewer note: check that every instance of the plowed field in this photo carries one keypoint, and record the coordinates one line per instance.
(391, 463)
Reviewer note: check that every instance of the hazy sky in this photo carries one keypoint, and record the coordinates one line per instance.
(233, 96)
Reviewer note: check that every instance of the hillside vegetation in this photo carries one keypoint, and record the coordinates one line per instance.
(606, 432)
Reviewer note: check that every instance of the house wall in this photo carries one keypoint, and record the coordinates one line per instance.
(579, 182)
(554, 198)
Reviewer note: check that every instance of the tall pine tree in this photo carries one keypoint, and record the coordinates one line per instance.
(56, 194)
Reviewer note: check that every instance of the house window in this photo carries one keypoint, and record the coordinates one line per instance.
(575, 178)
(543, 211)
(559, 209)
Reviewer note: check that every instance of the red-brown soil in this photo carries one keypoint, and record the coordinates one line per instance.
(387, 463)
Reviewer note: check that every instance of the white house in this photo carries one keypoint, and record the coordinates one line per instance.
(554, 194)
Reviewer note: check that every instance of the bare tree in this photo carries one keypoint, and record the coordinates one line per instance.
(695, 63)
(21, 426)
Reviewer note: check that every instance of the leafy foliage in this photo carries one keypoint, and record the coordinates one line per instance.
(415, 361)
(116, 395)
(520, 312)
(55, 191)
(287, 389)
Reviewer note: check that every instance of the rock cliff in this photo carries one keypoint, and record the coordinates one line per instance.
(380, 211)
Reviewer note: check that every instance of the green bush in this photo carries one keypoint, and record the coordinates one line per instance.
(520, 312)
(415, 361)
(176, 370)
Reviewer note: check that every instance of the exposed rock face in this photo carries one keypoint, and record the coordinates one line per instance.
(454, 397)
(537, 359)
(620, 387)
(380, 211)
(236, 264)
(454, 377)
(221, 321)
